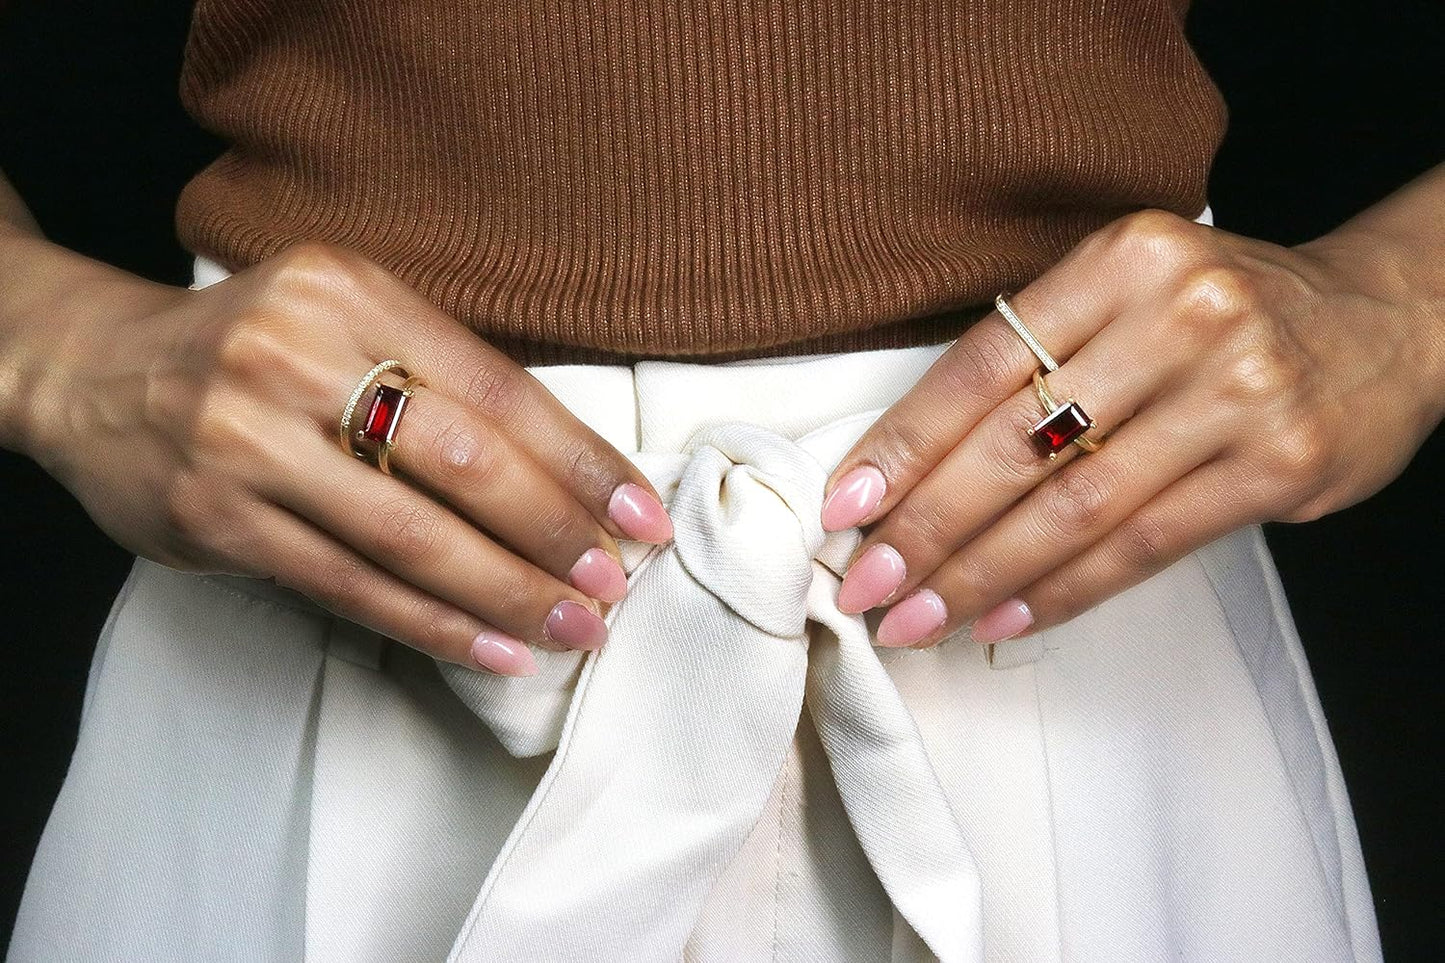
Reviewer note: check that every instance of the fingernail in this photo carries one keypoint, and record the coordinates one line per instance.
(872, 578)
(575, 626)
(502, 654)
(639, 514)
(1003, 621)
(912, 619)
(599, 575)
(856, 494)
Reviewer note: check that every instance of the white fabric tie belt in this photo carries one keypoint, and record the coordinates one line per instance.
(669, 739)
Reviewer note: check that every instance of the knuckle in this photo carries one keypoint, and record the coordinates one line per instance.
(898, 445)
(429, 622)
(1255, 377)
(1157, 236)
(313, 264)
(589, 469)
(1152, 224)
(1099, 240)
(558, 525)
(1297, 458)
(517, 601)
(229, 537)
(310, 272)
(1065, 596)
(928, 525)
(462, 453)
(985, 363)
(201, 527)
(1009, 451)
(494, 389)
(1077, 499)
(255, 345)
(975, 576)
(406, 530)
(1211, 298)
(1143, 541)
(340, 581)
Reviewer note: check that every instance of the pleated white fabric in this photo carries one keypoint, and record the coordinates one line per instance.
(737, 775)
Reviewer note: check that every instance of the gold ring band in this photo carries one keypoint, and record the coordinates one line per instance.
(1021, 329)
(1061, 424)
(350, 411)
(383, 450)
(374, 440)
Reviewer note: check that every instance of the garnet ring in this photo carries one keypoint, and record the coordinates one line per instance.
(373, 441)
(1062, 423)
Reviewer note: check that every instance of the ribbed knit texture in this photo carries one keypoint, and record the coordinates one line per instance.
(619, 179)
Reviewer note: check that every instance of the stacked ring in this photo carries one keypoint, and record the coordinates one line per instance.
(374, 440)
(1062, 423)
(1015, 322)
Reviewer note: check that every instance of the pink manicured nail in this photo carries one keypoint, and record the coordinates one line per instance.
(639, 514)
(872, 578)
(1003, 621)
(502, 654)
(856, 494)
(912, 619)
(599, 575)
(575, 626)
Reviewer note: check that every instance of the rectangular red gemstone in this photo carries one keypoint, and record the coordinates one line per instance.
(385, 407)
(1056, 431)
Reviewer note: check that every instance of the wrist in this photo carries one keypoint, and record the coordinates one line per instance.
(1403, 276)
(1394, 252)
(55, 305)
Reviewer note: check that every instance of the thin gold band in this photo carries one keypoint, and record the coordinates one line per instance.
(1021, 329)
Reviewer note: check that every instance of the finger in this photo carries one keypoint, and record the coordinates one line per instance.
(1063, 308)
(424, 542)
(390, 320)
(301, 557)
(1071, 510)
(998, 463)
(1201, 507)
(485, 476)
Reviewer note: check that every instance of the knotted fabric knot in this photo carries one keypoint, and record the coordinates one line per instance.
(746, 511)
(669, 739)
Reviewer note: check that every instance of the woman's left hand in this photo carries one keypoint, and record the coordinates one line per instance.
(1237, 381)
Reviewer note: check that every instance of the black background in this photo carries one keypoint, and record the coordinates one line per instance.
(1332, 105)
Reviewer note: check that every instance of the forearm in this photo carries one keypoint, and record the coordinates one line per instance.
(49, 296)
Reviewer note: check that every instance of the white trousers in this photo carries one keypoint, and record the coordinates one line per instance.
(737, 775)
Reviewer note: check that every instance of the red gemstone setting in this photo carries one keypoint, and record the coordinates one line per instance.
(1059, 428)
(385, 410)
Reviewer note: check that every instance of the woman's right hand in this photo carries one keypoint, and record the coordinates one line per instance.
(199, 429)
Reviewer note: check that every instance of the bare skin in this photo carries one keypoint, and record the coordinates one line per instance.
(1237, 381)
(198, 429)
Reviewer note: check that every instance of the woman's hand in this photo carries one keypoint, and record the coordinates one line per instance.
(199, 428)
(1237, 382)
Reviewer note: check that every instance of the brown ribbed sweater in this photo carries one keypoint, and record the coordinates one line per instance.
(616, 179)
